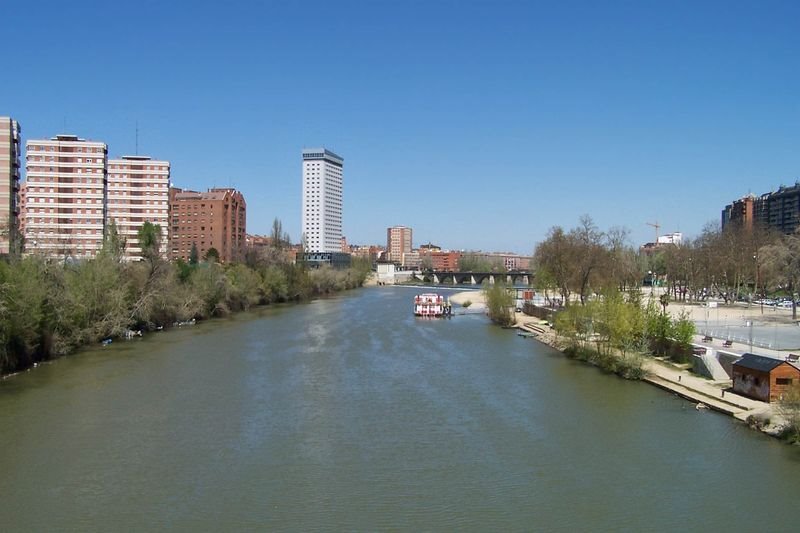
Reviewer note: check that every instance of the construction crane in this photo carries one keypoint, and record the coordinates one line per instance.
(657, 226)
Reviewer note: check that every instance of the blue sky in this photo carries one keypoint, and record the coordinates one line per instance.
(480, 124)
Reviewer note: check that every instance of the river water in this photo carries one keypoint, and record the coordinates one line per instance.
(350, 414)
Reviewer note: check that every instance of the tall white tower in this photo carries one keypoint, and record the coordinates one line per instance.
(322, 200)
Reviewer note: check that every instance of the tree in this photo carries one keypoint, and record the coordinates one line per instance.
(499, 303)
(113, 243)
(781, 262)
(620, 320)
(149, 236)
(278, 238)
(193, 255)
(624, 268)
(212, 255)
(664, 301)
(552, 260)
(574, 261)
(426, 263)
(10, 232)
(588, 254)
(789, 408)
(543, 281)
(304, 243)
(26, 288)
(474, 262)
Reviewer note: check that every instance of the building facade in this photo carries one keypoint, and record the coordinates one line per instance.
(778, 210)
(214, 219)
(445, 261)
(322, 200)
(138, 192)
(411, 259)
(741, 211)
(10, 133)
(398, 242)
(66, 187)
(764, 378)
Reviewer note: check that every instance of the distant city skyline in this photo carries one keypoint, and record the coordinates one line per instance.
(479, 124)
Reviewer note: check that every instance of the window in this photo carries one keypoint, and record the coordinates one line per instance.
(783, 381)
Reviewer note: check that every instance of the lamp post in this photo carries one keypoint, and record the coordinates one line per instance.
(758, 272)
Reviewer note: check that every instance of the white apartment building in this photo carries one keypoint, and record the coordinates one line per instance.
(322, 200)
(65, 189)
(138, 192)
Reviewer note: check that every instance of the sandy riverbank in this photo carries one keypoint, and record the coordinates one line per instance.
(476, 299)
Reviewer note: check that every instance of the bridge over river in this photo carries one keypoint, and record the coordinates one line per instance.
(474, 278)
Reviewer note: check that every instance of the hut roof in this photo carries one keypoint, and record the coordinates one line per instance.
(759, 362)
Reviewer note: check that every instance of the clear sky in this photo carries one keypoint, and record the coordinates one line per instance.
(480, 124)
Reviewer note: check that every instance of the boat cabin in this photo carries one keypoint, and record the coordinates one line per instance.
(431, 305)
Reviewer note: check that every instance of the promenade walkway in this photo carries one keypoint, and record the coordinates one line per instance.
(711, 393)
(678, 380)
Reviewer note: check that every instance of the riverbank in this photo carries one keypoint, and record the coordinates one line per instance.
(52, 310)
(668, 376)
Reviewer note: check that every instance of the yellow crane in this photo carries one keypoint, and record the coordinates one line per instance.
(657, 226)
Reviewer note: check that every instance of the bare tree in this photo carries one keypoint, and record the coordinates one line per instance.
(588, 254)
(780, 262)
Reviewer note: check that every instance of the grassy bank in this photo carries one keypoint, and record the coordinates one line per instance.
(49, 309)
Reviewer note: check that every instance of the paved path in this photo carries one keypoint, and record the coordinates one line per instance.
(680, 381)
(698, 389)
(741, 348)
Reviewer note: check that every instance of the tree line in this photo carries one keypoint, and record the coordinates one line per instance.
(735, 263)
(49, 308)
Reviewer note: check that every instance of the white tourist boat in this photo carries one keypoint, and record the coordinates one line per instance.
(431, 305)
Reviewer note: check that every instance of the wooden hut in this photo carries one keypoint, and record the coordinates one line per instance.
(764, 378)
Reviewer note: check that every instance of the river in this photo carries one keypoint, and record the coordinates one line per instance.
(349, 414)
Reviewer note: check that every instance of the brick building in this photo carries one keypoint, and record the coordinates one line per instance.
(214, 219)
(9, 182)
(445, 261)
(398, 242)
(778, 210)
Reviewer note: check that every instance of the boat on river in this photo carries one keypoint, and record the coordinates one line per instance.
(431, 305)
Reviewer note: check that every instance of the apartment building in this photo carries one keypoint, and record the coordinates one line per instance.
(741, 211)
(398, 242)
(138, 192)
(66, 187)
(10, 132)
(213, 219)
(445, 261)
(778, 210)
(322, 200)
(23, 202)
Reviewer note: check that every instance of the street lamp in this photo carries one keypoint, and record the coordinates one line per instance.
(758, 272)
